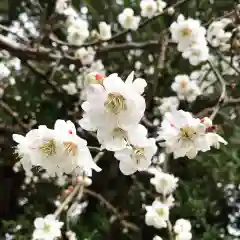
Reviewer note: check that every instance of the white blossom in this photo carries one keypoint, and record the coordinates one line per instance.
(184, 236)
(157, 238)
(86, 55)
(148, 8)
(57, 151)
(191, 40)
(137, 157)
(113, 103)
(127, 19)
(104, 31)
(168, 104)
(185, 135)
(196, 54)
(47, 228)
(164, 183)
(182, 225)
(185, 88)
(157, 215)
(77, 31)
(217, 36)
(161, 5)
(70, 88)
(4, 71)
(116, 138)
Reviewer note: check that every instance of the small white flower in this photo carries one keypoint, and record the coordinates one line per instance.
(86, 55)
(70, 88)
(77, 31)
(161, 5)
(137, 157)
(196, 54)
(116, 138)
(4, 71)
(184, 236)
(47, 228)
(182, 225)
(148, 8)
(127, 19)
(71, 235)
(61, 6)
(104, 31)
(157, 238)
(157, 215)
(168, 104)
(164, 183)
(185, 88)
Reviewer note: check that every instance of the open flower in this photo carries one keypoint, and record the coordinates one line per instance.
(128, 20)
(47, 228)
(157, 215)
(112, 103)
(164, 183)
(148, 8)
(137, 157)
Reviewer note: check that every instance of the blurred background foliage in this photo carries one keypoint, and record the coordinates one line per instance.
(208, 184)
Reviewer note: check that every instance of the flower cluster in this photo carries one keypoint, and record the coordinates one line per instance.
(113, 108)
(191, 40)
(185, 135)
(217, 36)
(57, 150)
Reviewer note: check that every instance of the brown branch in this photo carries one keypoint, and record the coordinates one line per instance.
(110, 207)
(28, 53)
(14, 115)
(122, 33)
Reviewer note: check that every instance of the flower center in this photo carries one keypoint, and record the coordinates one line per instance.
(186, 31)
(160, 211)
(149, 8)
(138, 154)
(48, 148)
(47, 228)
(128, 20)
(187, 132)
(183, 83)
(70, 148)
(115, 103)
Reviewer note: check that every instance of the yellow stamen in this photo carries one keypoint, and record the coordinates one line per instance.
(48, 148)
(187, 132)
(115, 103)
(186, 31)
(70, 148)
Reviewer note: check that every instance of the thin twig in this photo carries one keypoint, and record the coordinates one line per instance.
(14, 115)
(223, 92)
(78, 186)
(68, 199)
(110, 207)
